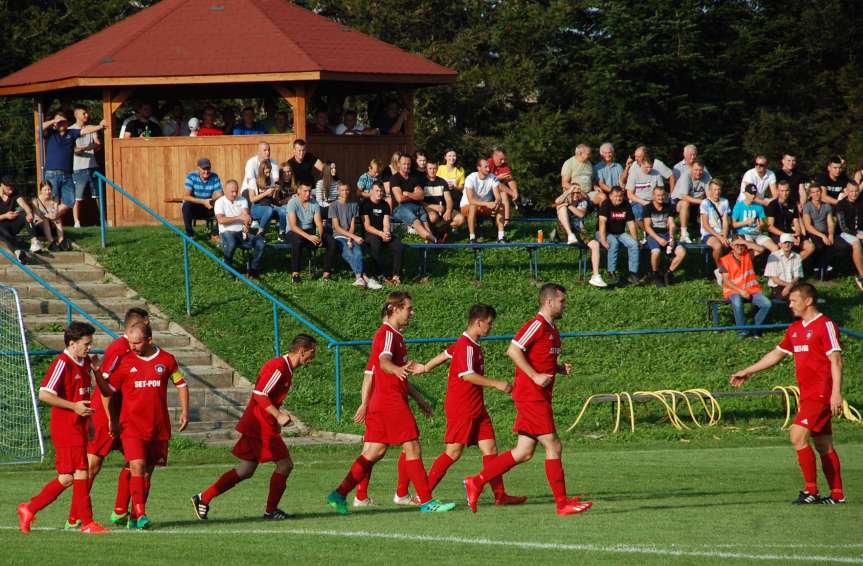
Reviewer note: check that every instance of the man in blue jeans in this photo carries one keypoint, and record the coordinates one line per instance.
(232, 216)
(740, 284)
(409, 197)
(616, 228)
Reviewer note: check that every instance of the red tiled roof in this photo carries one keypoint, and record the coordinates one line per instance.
(182, 38)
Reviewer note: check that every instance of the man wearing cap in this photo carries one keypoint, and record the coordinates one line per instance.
(748, 218)
(784, 268)
(203, 188)
(59, 151)
(740, 284)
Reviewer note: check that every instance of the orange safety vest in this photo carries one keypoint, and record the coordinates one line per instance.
(741, 273)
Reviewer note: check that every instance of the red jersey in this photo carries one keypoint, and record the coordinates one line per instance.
(464, 398)
(68, 379)
(498, 170)
(144, 385)
(274, 381)
(388, 389)
(811, 343)
(539, 339)
(113, 354)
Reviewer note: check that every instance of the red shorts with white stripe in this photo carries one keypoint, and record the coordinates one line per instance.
(153, 452)
(102, 442)
(468, 430)
(270, 449)
(70, 458)
(534, 418)
(815, 416)
(396, 425)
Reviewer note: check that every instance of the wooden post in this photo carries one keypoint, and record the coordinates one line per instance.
(38, 117)
(111, 102)
(408, 97)
(300, 104)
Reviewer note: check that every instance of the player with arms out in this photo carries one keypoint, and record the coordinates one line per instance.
(67, 388)
(467, 421)
(389, 419)
(142, 378)
(813, 340)
(534, 350)
(261, 429)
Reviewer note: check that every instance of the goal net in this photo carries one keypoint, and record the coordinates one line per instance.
(20, 427)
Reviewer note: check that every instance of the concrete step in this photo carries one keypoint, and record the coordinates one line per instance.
(208, 376)
(52, 258)
(198, 427)
(52, 323)
(101, 340)
(222, 436)
(98, 307)
(54, 273)
(201, 396)
(84, 290)
(188, 357)
(213, 414)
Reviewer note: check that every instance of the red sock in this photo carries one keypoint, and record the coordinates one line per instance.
(417, 474)
(497, 482)
(806, 459)
(363, 486)
(833, 472)
(44, 498)
(438, 469)
(278, 482)
(121, 502)
(402, 485)
(81, 501)
(359, 469)
(225, 482)
(496, 467)
(136, 487)
(556, 479)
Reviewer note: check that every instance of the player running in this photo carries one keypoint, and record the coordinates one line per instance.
(467, 421)
(535, 350)
(67, 387)
(814, 342)
(389, 419)
(261, 429)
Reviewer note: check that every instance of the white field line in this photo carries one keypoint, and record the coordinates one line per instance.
(650, 549)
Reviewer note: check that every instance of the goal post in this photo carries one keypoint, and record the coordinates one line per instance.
(20, 425)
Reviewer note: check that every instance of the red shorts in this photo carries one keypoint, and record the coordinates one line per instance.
(468, 430)
(534, 418)
(396, 425)
(815, 416)
(102, 442)
(70, 458)
(270, 449)
(153, 452)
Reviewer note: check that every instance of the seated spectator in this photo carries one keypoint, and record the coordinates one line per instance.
(327, 187)
(369, 178)
(453, 174)
(260, 198)
(639, 156)
(351, 127)
(304, 164)
(343, 218)
(407, 192)
(281, 124)
(388, 172)
(253, 167)
(248, 126)
(208, 123)
(481, 198)
(783, 217)
(320, 124)
(420, 161)
(689, 193)
(174, 121)
(740, 284)
(234, 221)
(858, 174)
(795, 181)
(375, 214)
(141, 124)
(84, 164)
(578, 170)
(833, 180)
(572, 207)
(640, 182)
(47, 221)
(306, 230)
(287, 184)
(763, 179)
(747, 219)
(784, 268)
(498, 165)
(392, 120)
(438, 202)
(203, 188)
(660, 230)
(818, 221)
(715, 222)
(194, 126)
(606, 173)
(229, 120)
(616, 228)
(60, 143)
(684, 166)
(849, 214)
(15, 214)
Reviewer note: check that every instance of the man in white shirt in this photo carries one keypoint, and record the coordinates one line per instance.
(350, 126)
(83, 161)
(638, 157)
(784, 268)
(764, 180)
(482, 197)
(234, 220)
(250, 174)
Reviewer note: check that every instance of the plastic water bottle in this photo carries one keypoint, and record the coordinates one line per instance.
(539, 236)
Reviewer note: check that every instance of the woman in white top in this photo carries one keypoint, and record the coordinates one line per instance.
(327, 187)
(47, 221)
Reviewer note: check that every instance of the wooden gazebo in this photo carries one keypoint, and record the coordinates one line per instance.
(208, 49)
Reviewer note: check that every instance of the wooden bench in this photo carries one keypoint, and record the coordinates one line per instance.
(714, 304)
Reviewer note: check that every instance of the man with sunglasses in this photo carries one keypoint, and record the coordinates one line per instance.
(764, 180)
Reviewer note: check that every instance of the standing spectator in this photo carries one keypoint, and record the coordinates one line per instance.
(203, 188)
(232, 216)
(174, 122)
(194, 126)
(715, 223)
(833, 180)
(320, 124)
(640, 182)
(248, 126)
(818, 221)
(453, 174)
(351, 127)
(59, 152)
(659, 228)
(409, 196)
(375, 214)
(763, 179)
(392, 120)
(253, 167)
(689, 192)
(281, 125)
(260, 199)
(304, 219)
(343, 217)
(208, 124)
(795, 181)
(229, 120)
(327, 187)
(15, 213)
(482, 198)
(47, 220)
(606, 173)
(740, 284)
(572, 206)
(849, 214)
(616, 228)
(639, 156)
(438, 201)
(577, 169)
(684, 166)
(83, 161)
(783, 217)
(303, 164)
(141, 124)
(498, 165)
(784, 268)
(747, 219)
(369, 178)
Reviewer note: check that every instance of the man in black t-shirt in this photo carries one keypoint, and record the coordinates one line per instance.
(660, 229)
(849, 216)
(833, 180)
(795, 180)
(15, 213)
(783, 217)
(143, 126)
(303, 164)
(375, 216)
(616, 228)
(408, 198)
(438, 201)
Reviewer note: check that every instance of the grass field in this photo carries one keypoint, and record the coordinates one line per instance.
(658, 503)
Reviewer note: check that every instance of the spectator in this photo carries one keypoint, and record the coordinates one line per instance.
(303, 164)
(259, 196)
(572, 206)
(763, 179)
(208, 123)
(715, 223)
(320, 124)
(499, 167)
(253, 167)
(453, 174)
(420, 160)
(327, 187)
(388, 172)
(287, 183)
(482, 198)
(60, 143)
(203, 188)
(818, 222)
(849, 214)
(408, 194)
(438, 201)
(229, 120)
(689, 192)
(375, 214)
(248, 126)
(369, 178)
(833, 181)
(343, 218)
(783, 217)
(640, 182)
(281, 125)
(660, 230)
(796, 181)
(83, 161)
(194, 126)
(606, 173)
(616, 227)
(858, 174)
(269, 121)
(141, 124)
(747, 219)
(740, 284)
(577, 169)
(304, 225)
(15, 213)
(174, 122)
(784, 268)
(232, 216)
(683, 167)
(46, 220)
(351, 127)
(639, 156)
(392, 120)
